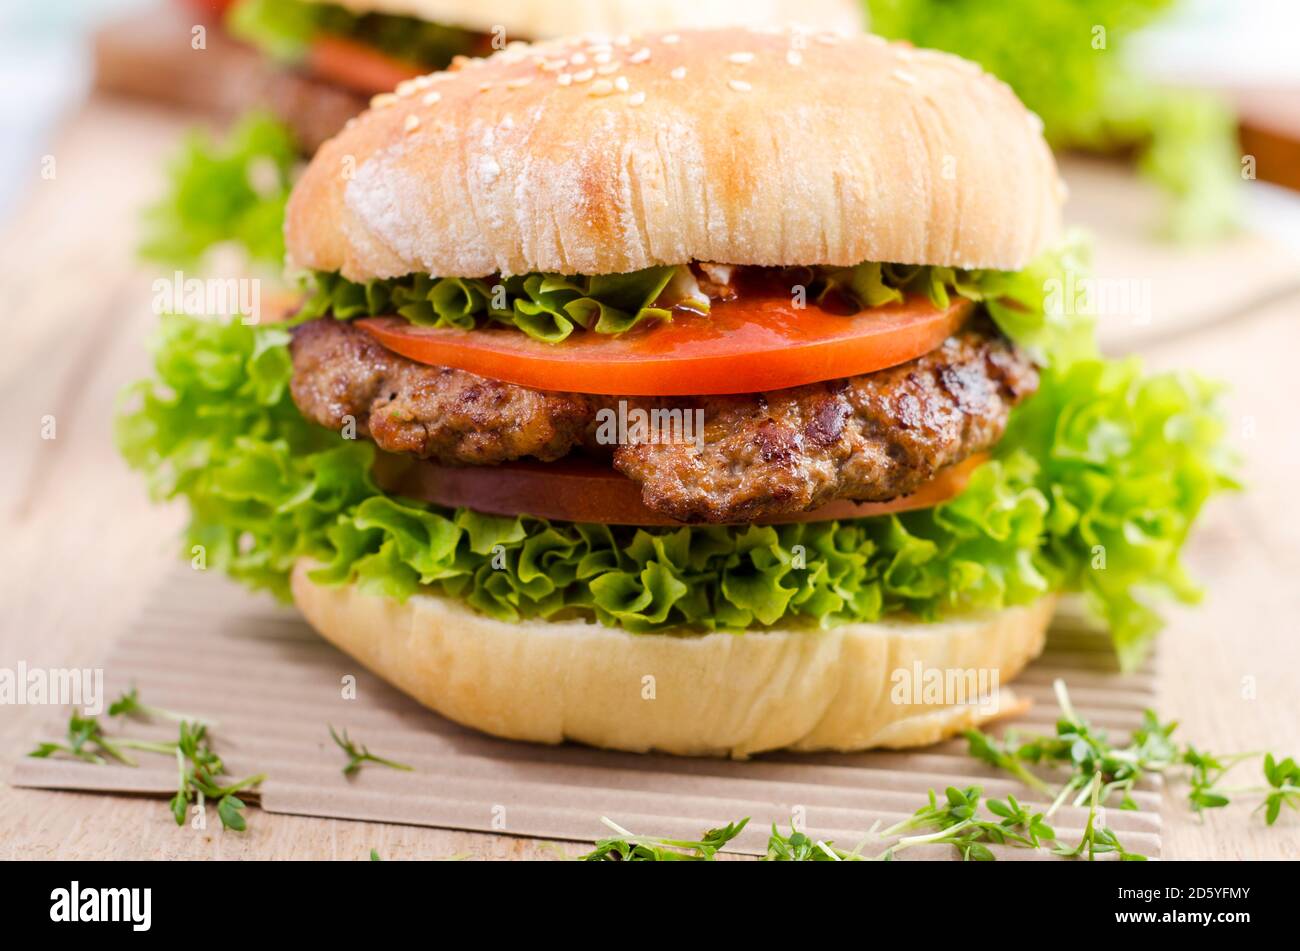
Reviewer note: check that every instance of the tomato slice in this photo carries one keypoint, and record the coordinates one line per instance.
(215, 9)
(358, 67)
(749, 345)
(583, 490)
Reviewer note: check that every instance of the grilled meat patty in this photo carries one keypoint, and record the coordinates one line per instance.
(868, 438)
(340, 372)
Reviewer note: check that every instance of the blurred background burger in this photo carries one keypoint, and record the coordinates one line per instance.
(294, 71)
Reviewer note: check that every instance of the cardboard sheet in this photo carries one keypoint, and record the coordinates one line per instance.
(206, 647)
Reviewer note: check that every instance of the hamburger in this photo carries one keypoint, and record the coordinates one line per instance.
(328, 58)
(831, 266)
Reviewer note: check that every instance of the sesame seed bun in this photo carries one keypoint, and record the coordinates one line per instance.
(705, 695)
(539, 19)
(734, 146)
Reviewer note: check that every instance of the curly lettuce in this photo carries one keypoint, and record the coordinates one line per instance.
(1021, 303)
(547, 307)
(551, 307)
(1065, 60)
(234, 192)
(1094, 489)
(284, 29)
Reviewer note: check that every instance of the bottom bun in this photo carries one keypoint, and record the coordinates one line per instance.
(699, 695)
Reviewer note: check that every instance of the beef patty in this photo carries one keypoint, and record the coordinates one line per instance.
(340, 372)
(868, 438)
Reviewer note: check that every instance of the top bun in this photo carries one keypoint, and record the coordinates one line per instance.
(540, 19)
(582, 156)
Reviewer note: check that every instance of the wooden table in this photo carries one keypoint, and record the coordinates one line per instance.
(83, 545)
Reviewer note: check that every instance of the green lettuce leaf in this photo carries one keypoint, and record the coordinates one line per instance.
(547, 307)
(550, 307)
(229, 192)
(1028, 305)
(1127, 462)
(1094, 489)
(1080, 82)
(283, 30)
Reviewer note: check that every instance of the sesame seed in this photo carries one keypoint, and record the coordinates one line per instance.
(670, 38)
(564, 79)
(741, 58)
(621, 84)
(794, 57)
(484, 87)
(678, 73)
(904, 77)
(412, 122)
(551, 65)
(601, 87)
(406, 87)
(640, 56)
(636, 98)
(622, 40)
(583, 76)
(519, 82)
(904, 54)
(383, 100)
(739, 85)
(578, 58)
(431, 98)
(1035, 122)
(604, 56)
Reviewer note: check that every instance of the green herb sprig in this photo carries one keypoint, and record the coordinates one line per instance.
(357, 755)
(1097, 772)
(1100, 770)
(199, 768)
(626, 846)
(1097, 839)
(954, 820)
(957, 821)
(87, 741)
(129, 705)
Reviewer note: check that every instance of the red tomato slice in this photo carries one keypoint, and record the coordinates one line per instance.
(749, 345)
(215, 9)
(581, 490)
(357, 66)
